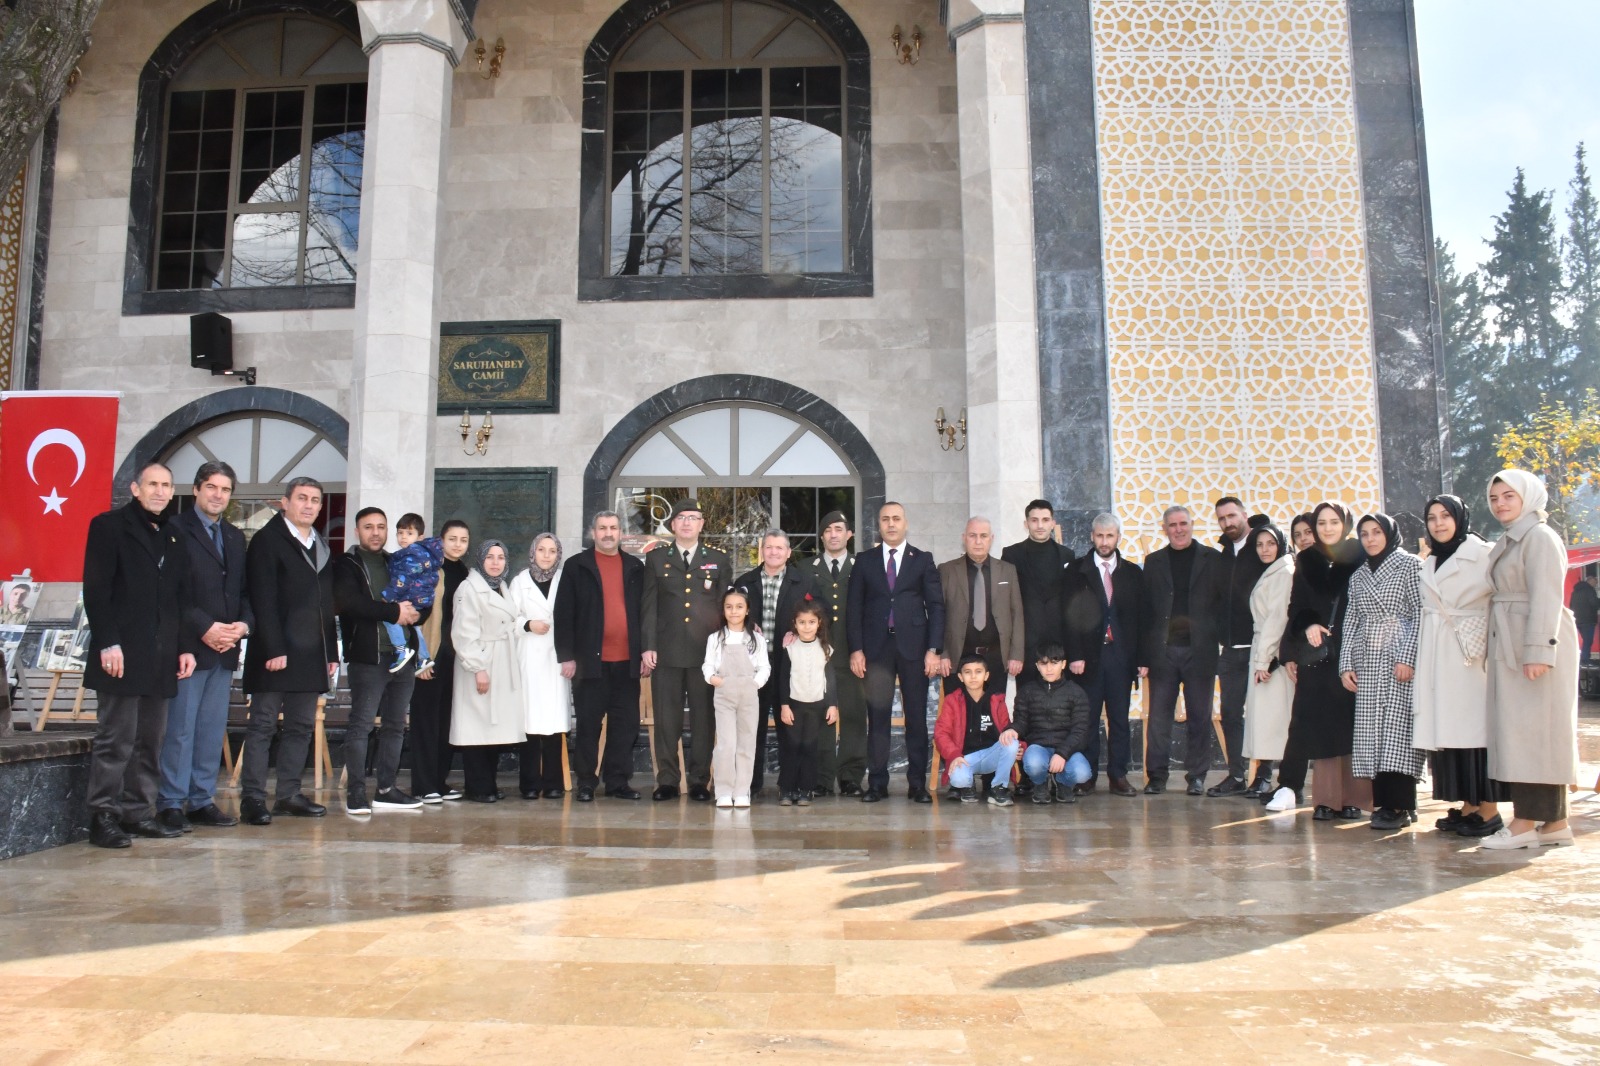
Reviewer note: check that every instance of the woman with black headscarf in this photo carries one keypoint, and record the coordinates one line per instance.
(1377, 661)
(488, 677)
(1322, 723)
(1451, 688)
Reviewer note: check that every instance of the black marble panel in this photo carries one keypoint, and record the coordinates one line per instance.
(319, 415)
(44, 789)
(719, 388)
(1407, 339)
(164, 63)
(33, 345)
(595, 282)
(1073, 400)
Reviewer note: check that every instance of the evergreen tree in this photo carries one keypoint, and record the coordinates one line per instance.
(1473, 365)
(1581, 257)
(1523, 282)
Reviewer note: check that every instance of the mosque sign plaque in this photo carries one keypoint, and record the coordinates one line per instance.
(499, 366)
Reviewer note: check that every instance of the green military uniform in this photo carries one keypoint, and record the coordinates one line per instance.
(842, 754)
(682, 606)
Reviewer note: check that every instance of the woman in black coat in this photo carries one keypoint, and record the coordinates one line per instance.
(1323, 721)
(432, 698)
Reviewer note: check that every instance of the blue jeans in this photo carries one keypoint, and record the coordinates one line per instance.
(191, 751)
(397, 637)
(998, 759)
(1036, 764)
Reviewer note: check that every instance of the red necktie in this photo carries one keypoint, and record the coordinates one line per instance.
(1105, 579)
(892, 573)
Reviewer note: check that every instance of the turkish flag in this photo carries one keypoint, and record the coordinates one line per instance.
(57, 458)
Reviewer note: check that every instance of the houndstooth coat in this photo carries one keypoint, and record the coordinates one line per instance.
(1380, 631)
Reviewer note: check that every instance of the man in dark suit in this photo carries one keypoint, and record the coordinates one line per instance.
(1182, 606)
(1042, 575)
(293, 652)
(774, 590)
(830, 585)
(895, 632)
(217, 619)
(982, 611)
(1106, 650)
(687, 572)
(599, 641)
(135, 588)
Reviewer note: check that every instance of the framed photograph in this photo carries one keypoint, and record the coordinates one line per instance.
(17, 600)
(499, 366)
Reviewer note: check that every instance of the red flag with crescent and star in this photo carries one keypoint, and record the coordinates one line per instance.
(57, 455)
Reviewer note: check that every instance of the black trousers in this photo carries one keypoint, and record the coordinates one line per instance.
(431, 754)
(1233, 677)
(1398, 792)
(881, 679)
(1110, 688)
(539, 763)
(767, 697)
(612, 700)
(479, 765)
(299, 711)
(1172, 670)
(671, 688)
(124, 769)
(842, 750)
(797, 747)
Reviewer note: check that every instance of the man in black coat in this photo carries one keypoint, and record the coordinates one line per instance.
(135, 588)
(1585, 607)
(293, 651)
(1042, 578)
(1052, 720)
(600, 647)
(775, 589)
(1182, 604)
(894, 628)
(381, 675)
(1106, 647)
(217, 619)
(1236, 629)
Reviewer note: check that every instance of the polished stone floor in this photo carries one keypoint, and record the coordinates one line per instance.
(1113, 931)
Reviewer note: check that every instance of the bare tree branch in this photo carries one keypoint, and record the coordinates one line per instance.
(41, 42)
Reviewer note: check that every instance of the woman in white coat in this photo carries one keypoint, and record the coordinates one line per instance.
(1533, 668)
(488, 711)
(546, 695)
(1269, 699)
(1451, 686)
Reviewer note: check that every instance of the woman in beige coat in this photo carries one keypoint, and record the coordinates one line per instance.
(1269, 699)
(1533, 668)
(488, 712)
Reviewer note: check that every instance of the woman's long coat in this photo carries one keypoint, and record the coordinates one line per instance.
(1533, 725)
(1322, 725)
(1452, 685)
(1380, 633)
(1268, 704)
(485, 633)
(546, 695)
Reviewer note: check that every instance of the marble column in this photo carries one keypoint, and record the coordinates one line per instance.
(1004, 465)
(414, 46)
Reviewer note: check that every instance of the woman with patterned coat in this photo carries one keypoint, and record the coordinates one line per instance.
(1378, 663)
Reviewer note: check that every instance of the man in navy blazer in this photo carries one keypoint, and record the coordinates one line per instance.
(894, 627)
(217, 618)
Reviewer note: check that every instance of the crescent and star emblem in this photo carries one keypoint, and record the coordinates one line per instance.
(67, 439)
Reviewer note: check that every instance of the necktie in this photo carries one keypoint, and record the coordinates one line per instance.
(216, 536)
(891, 575)
(836, 570)
(686, 556)
(980, 603)
(1105, 579)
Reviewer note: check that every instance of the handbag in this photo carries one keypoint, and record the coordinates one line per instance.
(1472, 633)
(1310, 656)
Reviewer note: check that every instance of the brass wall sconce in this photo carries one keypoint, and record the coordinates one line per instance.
(907, 51)
(480, 436)
(947, 431)
(482, 51)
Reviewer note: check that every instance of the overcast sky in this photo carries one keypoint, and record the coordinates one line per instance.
(1505, 83)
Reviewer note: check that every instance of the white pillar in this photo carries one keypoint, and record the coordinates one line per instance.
(414, 46)
(1004, 453)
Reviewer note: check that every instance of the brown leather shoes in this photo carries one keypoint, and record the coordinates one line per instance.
(1120, 787)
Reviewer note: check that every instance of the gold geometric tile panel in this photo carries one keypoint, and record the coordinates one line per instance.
(1238, 319)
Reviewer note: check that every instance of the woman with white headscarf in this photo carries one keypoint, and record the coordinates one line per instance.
(1533, 668)
(546, 695)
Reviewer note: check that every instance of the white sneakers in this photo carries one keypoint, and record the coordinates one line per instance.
(727, 801)
(1283, 800)
(741, 801)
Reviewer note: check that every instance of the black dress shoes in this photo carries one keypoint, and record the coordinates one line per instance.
(871, 795)
(530, 793)
(1349, 814)
(919, 795)
(213, 816)
(1260, 788)
(104, 832)
(664, 792)
(1387, 818)
(1474, 825)
(585, 794)
(149, 827)
(1230, 786)
(1118, 786)
(1155, 786)
(700, 794)
(1197, 786)
(173, 818)
(254, 812)
(1324, 814)
(300, 806)
(626, 793)
(849, 788)
(482, 797)
(1083, 788)
(554, 793)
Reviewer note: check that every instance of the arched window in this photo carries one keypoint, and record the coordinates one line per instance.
(247, 172)
(733, 136)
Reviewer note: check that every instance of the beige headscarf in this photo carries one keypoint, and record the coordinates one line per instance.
(1531, 489)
